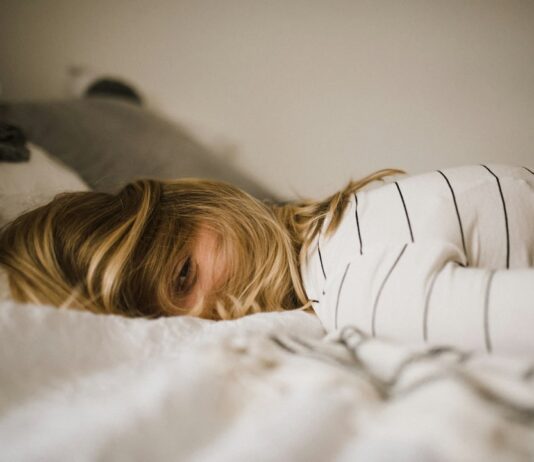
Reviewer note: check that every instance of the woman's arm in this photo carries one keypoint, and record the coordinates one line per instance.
(422, 293)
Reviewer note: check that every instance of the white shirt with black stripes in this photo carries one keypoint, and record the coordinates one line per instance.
(444, 258)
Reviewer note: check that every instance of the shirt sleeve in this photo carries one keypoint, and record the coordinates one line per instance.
(422, 292)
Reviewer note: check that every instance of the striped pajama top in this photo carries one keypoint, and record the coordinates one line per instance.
(444, 257)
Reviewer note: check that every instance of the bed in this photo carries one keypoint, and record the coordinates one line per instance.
(267, 387)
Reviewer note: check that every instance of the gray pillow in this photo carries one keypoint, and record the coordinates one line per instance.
(110, 142)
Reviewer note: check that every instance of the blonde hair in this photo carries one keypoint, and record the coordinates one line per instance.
(123, 253)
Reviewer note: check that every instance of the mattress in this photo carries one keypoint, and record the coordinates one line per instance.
(267, 387)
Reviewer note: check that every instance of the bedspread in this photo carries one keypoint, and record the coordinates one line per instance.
(267, 387)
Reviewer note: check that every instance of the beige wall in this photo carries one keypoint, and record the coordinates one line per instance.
(302, 94)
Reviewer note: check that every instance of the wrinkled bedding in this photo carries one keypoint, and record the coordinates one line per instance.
(268, 387)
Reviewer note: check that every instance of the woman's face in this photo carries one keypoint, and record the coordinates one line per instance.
(203, 272)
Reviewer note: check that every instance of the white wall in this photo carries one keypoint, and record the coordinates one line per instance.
(304, 93)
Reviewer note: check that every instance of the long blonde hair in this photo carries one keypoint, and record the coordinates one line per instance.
(122, 253)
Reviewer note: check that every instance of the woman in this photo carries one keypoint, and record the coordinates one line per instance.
(207, 249)
(160, 248)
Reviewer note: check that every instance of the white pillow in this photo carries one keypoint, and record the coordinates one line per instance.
(26, 185)
(4, 286)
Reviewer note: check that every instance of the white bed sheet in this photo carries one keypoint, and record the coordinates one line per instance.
(268, 387)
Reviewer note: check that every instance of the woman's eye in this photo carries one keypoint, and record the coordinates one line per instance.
(184, 275)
